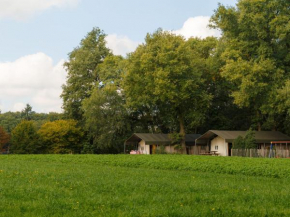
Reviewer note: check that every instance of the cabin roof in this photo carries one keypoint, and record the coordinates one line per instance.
(159, 139)
(230, 136)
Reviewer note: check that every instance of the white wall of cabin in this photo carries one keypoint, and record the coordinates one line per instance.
(143, 148)
(222, 146)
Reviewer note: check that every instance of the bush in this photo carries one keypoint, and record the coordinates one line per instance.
(24, 139)
(249, 139)
(246, 142)
(61, 137)
(239, 143)
(160, 150)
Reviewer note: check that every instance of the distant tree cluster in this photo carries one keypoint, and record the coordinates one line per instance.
(28, 132)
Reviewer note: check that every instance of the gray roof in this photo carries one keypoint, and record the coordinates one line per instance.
(159, 139)
(230, 136)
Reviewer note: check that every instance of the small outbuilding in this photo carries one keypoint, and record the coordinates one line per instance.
(149, 143)
(221, 141)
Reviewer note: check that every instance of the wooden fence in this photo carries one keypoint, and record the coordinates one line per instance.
(278, 153)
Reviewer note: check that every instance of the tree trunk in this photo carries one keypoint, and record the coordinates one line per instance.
(182, 133)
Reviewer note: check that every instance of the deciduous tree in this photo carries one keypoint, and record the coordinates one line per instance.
(165, 74)
(256, 35)
(61, 137)
(24, 139)
(82, 72)
(107, 120)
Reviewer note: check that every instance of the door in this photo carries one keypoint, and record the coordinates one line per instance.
(152, 149)
(230, 149)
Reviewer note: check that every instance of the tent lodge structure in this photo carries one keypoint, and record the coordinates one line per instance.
(149, 143)
(221, 142)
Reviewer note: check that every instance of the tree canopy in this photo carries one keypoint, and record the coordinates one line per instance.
(61, 137)
(82, 72)
(24, 139)
(256, 55)
(165, 74)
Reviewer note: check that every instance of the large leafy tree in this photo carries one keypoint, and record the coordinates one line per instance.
(256, 36)
(223, 113)
(24, 139)
(106, 119)
(61, 136)
(165, 75)
(82, 72)
(105, 114)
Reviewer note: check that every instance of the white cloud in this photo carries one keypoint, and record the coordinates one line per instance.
(31, 79)
(23, 9)
(121, 45)
(192, 27)
(197, 27)
(18, 106)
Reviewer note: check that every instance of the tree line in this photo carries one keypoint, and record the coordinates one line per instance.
(28, 132)
(174, 85)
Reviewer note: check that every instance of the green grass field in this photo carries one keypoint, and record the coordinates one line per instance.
(159, 185)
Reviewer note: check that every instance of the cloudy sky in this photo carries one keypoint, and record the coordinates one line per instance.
(37, 35)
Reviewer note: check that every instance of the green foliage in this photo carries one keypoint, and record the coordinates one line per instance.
(111, 70)
(24, 139)
(165, 78)
(160, 150)
(175, 138)
(88, 148)
(61, 137)
(178, 147)
(257, 46)
(119, 185)
(246, 142)
(106, 119)
(27, 113)
(83, 74)
(9, 120)
(239, 143)
(250, 142)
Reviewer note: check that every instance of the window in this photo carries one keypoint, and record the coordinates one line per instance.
(216, 147)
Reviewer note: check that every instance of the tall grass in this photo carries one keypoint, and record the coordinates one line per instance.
(122, 185)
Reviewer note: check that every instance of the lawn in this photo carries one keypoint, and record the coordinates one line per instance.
(160, 185)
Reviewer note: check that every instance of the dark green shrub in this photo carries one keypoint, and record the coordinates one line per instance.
(246, 142)
(239, 143)
(249, 140)
(160, 150)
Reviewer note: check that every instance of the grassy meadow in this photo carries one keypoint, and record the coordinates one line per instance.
(157, 185)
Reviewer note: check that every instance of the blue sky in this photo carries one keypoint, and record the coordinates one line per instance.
(37, 35)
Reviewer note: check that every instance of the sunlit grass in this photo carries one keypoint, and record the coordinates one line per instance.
(91, 185)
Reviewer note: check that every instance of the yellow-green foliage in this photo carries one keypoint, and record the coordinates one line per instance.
(25, 139)
(62, 136)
